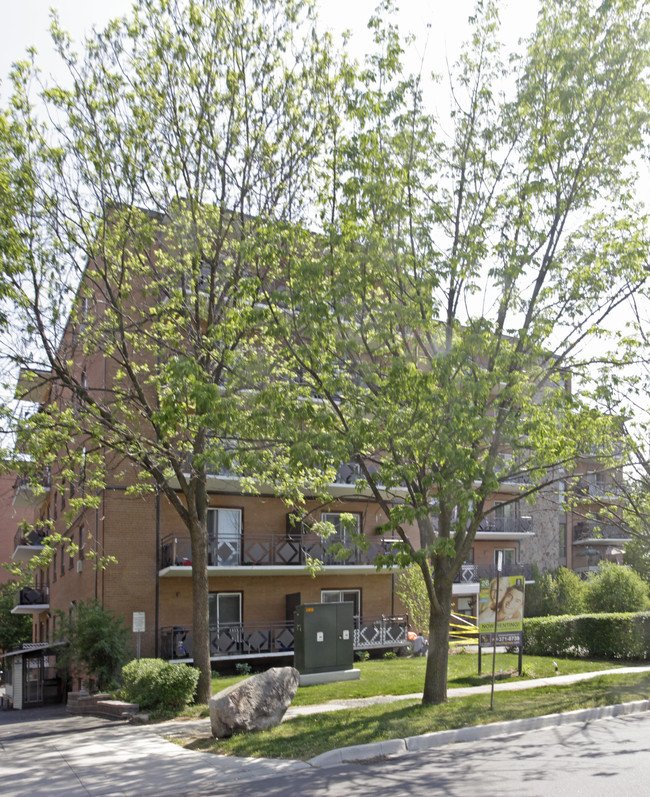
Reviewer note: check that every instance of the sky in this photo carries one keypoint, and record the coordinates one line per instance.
(440, 26)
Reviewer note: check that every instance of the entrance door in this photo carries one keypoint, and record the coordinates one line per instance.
(224, 537)
(33, 680)
(225, 622)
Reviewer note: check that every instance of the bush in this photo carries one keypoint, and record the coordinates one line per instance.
(157, 684)
(98, 643)
(616, 588)
(556, 592)
(600, 636)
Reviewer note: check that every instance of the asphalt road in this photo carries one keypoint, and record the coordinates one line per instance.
(599, 759)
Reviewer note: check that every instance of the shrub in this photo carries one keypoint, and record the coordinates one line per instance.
(412, 592)
(97, 643)
(604, 636)
(556, 592)
(616, 588)
(158, 684)
(637, 556)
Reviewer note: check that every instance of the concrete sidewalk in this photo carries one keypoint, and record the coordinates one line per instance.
(46, 751)
(49, 752)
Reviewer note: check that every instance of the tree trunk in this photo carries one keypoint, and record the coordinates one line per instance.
(435, 679)
(200, 595)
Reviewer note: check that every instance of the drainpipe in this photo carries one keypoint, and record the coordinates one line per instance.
(96, 544)
(157, 608)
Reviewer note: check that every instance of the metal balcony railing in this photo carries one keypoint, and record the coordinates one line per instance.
(507, 525)
(34, 536)
(267, 550)
(41, 478)
(32, 596)
(472, 574)
(233, 639)
(594, 489)
(588, 530)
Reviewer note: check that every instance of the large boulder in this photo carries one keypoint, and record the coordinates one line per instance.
(255, 704)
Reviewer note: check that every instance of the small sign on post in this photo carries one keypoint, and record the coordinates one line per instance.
(138, 628)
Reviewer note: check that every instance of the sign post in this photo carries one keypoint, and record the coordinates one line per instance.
(138, 628)
(496, 616)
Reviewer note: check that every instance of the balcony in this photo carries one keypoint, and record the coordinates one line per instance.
(267, 550)
(275, 639)
(597, 532)
(32, 600)
(472, 574)
(30, 489)
(28, 543)
(521, 524)
(599, 491)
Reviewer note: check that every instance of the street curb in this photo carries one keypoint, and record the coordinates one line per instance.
(395, 747)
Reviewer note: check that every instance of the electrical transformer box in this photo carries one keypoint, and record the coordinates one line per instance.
(323, 637)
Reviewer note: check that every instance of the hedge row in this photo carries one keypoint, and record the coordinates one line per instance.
(598, 636)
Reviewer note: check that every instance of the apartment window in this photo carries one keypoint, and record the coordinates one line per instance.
(62, 560)
(225, 609)
(505, 516)
(55, 505)
(343, 596)
(224, 537)
(563, 536)
(342, 530)
(54, 573)
(509, 556)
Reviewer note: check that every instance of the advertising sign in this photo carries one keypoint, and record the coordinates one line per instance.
(508, 607)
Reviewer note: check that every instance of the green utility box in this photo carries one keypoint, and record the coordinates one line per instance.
(323, 637)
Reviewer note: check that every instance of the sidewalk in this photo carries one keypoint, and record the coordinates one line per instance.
(48, 751)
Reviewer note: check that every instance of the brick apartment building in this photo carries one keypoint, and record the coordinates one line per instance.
(256, 558)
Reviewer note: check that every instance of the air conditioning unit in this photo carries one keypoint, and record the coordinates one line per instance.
(80, 566)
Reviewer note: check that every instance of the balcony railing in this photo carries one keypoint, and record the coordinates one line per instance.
(598, 489)
(233, 639)
(472, 574)
(507, 525)
(34, 536)
(592, 530)
(30, 488)
(32, 596)
(266, 550)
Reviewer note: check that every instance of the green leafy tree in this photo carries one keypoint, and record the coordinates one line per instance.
(14, 628)
(616, 588)
(98, 643)
(182, 141)
(412, 592)
(637, 556)
(460, 276)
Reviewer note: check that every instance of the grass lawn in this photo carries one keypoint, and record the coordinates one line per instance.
(305, 737)
(406, 676)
